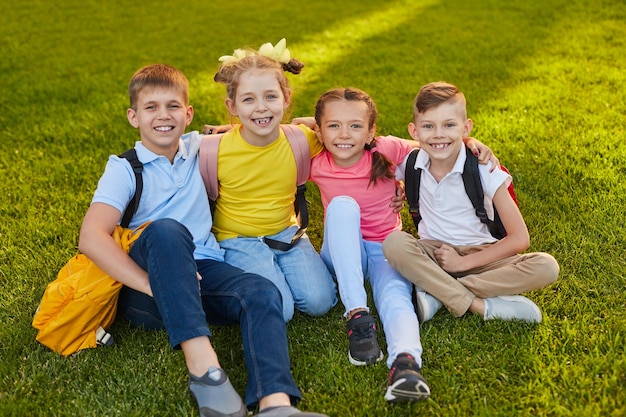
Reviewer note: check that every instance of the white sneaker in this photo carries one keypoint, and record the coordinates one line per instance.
(427, 305)
(512, 307)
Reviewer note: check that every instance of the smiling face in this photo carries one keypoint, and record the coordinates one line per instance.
(259, 103)
(161, 115)
(344, 130)
(440, 131)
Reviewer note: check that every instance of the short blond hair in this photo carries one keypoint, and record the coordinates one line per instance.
(157, 75)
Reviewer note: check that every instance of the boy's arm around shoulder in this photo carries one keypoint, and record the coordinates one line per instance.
(96, 241)
(516, 241)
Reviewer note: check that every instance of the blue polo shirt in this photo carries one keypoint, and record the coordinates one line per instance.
(170, 190)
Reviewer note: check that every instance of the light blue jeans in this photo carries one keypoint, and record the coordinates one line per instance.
(299, 273)
(351, 259)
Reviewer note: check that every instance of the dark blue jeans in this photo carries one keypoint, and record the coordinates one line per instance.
(226, 295)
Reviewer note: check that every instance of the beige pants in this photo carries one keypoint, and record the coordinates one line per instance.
(415, 260)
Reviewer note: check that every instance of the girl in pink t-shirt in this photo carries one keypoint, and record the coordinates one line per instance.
(355, 175)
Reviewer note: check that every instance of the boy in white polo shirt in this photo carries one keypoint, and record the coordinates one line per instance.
(457, 261)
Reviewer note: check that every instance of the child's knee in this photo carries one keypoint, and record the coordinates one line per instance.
(395, 243)
(551, 268)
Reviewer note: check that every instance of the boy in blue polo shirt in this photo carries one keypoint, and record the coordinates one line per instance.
(175, 277)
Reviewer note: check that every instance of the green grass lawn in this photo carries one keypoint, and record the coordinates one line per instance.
(545, 82)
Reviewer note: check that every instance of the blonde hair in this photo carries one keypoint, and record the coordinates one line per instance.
(157, 75)
(229, 73)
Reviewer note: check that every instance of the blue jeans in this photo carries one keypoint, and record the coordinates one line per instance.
(299, 273)
(352, 259)
(226, 295)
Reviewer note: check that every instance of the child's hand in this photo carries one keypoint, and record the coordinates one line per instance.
(307, 121)
(213, 129)
(449, 259)
(397, 201)
(483, 152)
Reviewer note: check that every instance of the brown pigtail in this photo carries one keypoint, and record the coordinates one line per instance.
(381, 165)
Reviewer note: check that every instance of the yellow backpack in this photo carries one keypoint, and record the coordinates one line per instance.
(81, 302)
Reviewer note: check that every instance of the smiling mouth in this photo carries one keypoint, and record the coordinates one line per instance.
(164, 128)
(344, 146)
(262, 121)
(439, 146)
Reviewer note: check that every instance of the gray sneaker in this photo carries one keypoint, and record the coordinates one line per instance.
(215, 395)
(512, 307)
(427, 305)
(286, 411)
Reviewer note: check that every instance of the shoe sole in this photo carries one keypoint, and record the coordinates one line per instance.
(369, 361)
(404, 390)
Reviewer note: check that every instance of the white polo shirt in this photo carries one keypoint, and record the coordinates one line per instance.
(446, 210)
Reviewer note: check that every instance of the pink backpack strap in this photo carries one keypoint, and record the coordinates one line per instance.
(207, 157)
(301, 151)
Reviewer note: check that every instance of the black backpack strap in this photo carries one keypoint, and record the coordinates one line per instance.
(412, 178)
(474, 190)
(131, 156)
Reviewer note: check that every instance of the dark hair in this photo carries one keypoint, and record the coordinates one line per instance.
(381, 165)
(157, 75)
(434, 94)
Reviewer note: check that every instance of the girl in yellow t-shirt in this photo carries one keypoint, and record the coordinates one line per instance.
(257, 182)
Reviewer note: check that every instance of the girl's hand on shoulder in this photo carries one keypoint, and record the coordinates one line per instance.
(482, 151)
(307, 121)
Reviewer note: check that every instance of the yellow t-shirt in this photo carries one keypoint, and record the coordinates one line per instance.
(257, 186)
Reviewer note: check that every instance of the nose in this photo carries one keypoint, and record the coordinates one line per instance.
(163, 113)
(344, 132)
(261, 105)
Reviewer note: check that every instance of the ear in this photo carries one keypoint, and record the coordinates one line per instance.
(467, 128)
(413, 131)
(189, 115)
(132, 118)
(230, 105)
(287, 99)
(318, 133)
(371, 133)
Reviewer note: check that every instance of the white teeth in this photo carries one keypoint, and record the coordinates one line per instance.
(164, 128)
(261, 121)
(345, 146)
(439, 145)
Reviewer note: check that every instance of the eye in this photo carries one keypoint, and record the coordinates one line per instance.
(356, 126)
(272, 96)
(332, 125)
(150, 107)
(427, 126)
(247, 100)
(450, 124)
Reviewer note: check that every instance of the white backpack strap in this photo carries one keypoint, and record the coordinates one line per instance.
(301, 151)
(207, 158)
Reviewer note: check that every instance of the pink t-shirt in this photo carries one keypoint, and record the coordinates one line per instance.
(377, 218)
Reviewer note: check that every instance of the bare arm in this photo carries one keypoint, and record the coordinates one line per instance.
(482, 151)
(516, 241)
(308, 121)
(97, 243)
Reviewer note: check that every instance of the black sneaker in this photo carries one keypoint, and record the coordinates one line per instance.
(405, 381)
(364, 347)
